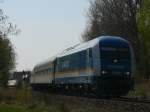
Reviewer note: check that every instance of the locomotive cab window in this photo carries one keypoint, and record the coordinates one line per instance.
(124, 52)
(113, 52)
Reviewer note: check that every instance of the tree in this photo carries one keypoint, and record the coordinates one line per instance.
(7, 60)
(114, 17)
(7, 54)
(144, 34)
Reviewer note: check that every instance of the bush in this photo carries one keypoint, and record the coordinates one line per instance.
(24, 94)
(142, 90)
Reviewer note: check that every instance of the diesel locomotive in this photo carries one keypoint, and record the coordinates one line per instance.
(103, 66)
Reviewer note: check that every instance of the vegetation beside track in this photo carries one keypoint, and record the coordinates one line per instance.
(23, 100)
(141, 90)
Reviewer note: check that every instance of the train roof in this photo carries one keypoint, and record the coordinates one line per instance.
(90, 44)
(45, 63)
(81, 47)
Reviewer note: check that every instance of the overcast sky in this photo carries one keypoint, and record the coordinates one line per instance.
(47, 27)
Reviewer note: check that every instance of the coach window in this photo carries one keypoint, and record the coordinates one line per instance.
(74, 61)
(90, 57)
(49, 70)
(82, 59)
(65, 65)
(57, 65)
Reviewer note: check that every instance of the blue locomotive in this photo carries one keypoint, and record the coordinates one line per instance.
(103, 66)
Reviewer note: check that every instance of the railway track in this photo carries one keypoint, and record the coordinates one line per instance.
(92, 99)
(135, 100)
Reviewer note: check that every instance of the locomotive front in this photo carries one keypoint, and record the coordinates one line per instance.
(116, 66)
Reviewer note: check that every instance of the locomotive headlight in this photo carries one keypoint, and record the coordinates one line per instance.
(104, 72)
(127, 73)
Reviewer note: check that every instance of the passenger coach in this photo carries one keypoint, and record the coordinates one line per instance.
(103, 66)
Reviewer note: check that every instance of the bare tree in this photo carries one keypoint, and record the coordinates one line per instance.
(114, 17)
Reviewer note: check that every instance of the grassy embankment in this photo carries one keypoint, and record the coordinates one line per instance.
(22, 100)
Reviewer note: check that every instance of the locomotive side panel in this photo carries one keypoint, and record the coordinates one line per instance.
(73, 69)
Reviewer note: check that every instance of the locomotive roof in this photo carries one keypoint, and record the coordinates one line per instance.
(81, 47)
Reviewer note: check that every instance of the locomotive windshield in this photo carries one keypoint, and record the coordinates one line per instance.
(114, 52)
(115, 58)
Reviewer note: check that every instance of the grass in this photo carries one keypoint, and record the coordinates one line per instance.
(18, 108)
(21, 100)
(37, 107)
(10, 108)
(142, 90)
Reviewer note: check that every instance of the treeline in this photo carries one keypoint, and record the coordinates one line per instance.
(7, 54)
(129, 19)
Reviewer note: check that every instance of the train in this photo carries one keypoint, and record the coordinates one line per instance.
(102, 66)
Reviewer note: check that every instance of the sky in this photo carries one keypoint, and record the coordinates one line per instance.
(47, 27)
